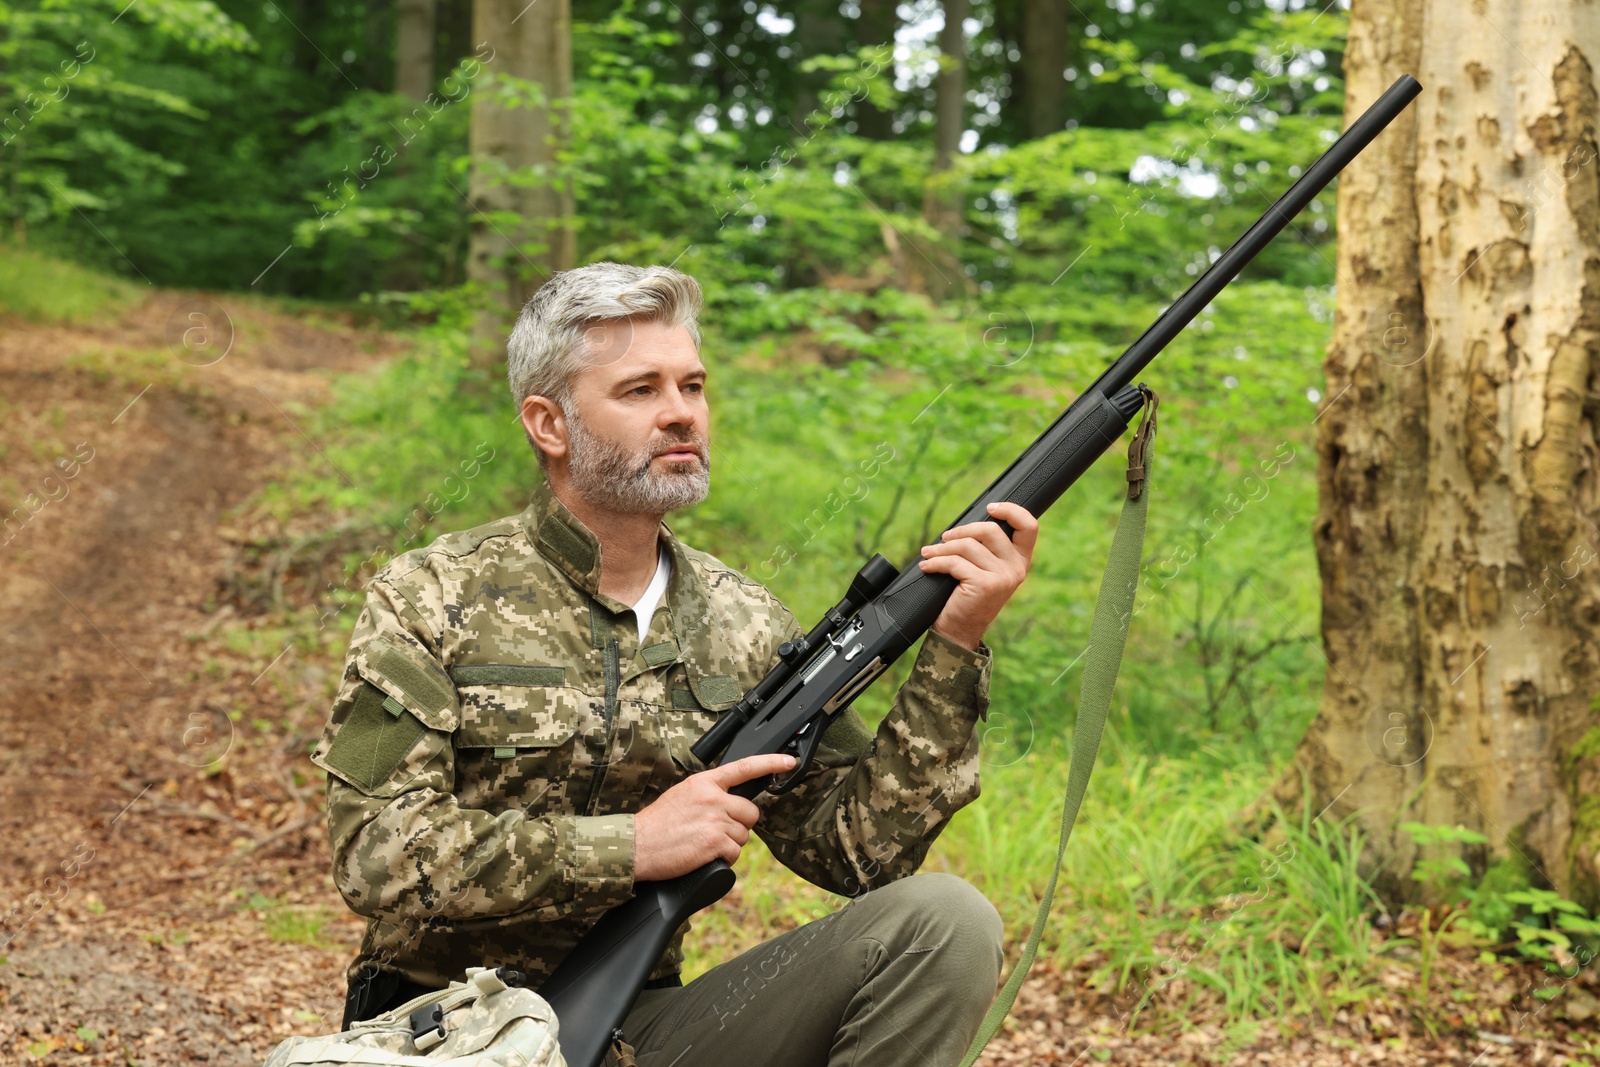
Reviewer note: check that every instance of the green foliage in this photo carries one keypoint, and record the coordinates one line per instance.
(1444, 873)
(398, 461)
(1553, 925)
(293, 923)
(1541, 924)
(233, 144)
(90, 96)
(1492, 909)
(1177, 907)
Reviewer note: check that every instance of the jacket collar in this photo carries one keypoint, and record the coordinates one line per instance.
(571, 547)
(562, 539)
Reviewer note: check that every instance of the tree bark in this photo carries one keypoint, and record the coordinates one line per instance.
(820, 31)
(452, 35)
(521, 228)
(1043, 44)
(877, 24)
(950, 108)
(413, 48)
(1456, 533)
(941, 206)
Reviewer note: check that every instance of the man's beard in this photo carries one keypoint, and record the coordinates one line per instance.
(608, 476)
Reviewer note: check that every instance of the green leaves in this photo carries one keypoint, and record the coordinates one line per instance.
(1545, 925)
(1432, 835)
(195, 24)
(88, 96)
(1442, 871)
(1544, 902)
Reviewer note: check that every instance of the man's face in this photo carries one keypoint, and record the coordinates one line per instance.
(638, 425)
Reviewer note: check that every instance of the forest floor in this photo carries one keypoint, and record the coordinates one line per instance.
(165, 894)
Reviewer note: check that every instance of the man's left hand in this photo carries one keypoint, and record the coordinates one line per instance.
(989, 566)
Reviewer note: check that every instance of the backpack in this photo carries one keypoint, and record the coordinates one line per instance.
(486, 1021)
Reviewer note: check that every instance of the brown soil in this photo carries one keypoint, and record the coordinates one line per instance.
(166, 896)
(126, 926)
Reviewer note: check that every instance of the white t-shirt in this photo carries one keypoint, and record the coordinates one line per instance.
(645, 609)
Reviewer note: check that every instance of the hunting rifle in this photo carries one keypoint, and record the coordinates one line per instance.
(881, 616)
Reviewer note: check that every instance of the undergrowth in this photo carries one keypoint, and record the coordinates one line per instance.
(42, 288)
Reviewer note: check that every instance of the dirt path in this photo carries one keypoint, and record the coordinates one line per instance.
(137, 886)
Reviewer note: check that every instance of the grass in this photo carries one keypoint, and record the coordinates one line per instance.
(1163, 900)
(135, 368)
(411, 437)
(294, 923)
(41, 288)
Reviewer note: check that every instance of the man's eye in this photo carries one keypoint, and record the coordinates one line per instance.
(695, 387)
(640, 390)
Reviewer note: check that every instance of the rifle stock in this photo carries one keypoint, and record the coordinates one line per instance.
(619, 953)
(594, 988)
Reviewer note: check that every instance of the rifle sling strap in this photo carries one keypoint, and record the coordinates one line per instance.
(1108, 634)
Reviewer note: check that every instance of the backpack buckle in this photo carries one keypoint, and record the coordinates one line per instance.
(427, 1026)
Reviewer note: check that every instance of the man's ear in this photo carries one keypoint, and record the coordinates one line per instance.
(546, 425)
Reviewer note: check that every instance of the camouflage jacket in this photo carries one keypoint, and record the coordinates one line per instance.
(499, 722)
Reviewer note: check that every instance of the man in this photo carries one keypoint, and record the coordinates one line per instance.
(509, 752)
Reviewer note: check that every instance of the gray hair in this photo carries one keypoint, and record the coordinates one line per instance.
(547, 345)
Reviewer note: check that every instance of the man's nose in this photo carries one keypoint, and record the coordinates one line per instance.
(677, 410)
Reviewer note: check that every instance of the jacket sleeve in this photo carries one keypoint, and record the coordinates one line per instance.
(403, 849)
(871, 806)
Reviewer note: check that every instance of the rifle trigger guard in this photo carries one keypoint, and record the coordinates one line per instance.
(803, 746)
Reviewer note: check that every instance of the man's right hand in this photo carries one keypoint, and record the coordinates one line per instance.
(698, 820)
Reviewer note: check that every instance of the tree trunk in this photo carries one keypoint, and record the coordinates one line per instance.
(941, 205)
(379, 33)
(413, 48)
(1043, 44)
(1456, 533)
(307, 56)
(521, 229)
(877, 24)
(950, 110)
(452, 35)
(819, 31)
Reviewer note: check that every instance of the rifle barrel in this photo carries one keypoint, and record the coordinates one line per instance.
(1205, 289)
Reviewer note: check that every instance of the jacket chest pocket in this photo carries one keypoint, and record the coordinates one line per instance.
(697, 702)
(519, 741)
(680, 728)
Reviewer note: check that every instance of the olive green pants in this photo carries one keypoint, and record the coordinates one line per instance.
(899, 976)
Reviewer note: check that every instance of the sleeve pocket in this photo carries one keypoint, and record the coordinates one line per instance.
(373, 741)
(412, 677)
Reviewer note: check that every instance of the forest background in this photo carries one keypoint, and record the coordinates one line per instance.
(920, 228)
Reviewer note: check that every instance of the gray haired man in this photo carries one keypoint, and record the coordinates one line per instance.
(509, 752)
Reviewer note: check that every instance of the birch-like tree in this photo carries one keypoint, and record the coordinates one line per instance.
(1457, 530)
